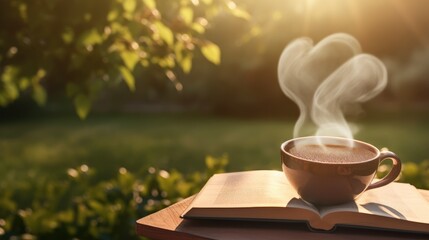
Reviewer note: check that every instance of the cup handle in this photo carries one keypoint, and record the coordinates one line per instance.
(394, 172)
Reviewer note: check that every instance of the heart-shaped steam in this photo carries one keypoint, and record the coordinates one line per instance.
(326, 79)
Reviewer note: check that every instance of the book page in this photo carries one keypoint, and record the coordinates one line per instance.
(262, 188)
(395, 200)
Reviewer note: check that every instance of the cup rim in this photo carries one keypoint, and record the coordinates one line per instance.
(284, 144)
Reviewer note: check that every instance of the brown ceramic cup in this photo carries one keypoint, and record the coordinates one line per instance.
(329, 183)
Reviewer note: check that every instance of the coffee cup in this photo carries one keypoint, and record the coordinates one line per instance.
(332, 170)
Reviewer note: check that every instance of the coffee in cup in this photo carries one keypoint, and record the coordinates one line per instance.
(332, 170)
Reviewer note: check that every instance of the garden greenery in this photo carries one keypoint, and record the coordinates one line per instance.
(79, 48)
(78, 208)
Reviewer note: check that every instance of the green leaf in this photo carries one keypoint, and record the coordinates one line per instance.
(122, 30)
(187, 14)
(178, 48)
(96, 206)
(130, 59)
(11, 91)
(128, 78)
(67, 35)
(211, 52)
(145, 63)
(23, 11)
(24, 83)
(9, 74)
(210, 162)
(198, 28)
(66, 216)
(41, 73)
(186, 64)
(82, 105)
(112, 15)
(166, 62)
(216, 164)
(410, 169)
(39, 95)
(240, 13)
(91, 37)
(151, 4)
(165, 33)
(129, 5)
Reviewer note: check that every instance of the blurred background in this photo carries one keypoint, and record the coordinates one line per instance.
(113, 109)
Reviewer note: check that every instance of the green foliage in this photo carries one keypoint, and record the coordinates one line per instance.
(83, 105)
(77, 208)
(416, 174)
(35, 151)
(95, 45)
(212, 52)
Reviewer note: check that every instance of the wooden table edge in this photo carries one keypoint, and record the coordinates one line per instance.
(143, 228)
(160, 233)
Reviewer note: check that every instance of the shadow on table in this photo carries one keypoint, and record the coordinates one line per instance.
(241, 230)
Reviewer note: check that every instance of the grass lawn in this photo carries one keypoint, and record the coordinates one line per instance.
(50, 145)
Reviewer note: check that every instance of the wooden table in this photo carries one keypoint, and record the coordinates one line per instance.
(167, 224)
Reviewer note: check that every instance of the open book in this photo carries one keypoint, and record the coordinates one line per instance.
(266, 195)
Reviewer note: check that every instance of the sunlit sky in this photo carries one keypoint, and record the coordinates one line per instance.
(357, 13)
(381, 26)
(395, 31)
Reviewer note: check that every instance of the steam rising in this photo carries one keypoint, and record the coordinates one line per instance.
(326, 79)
